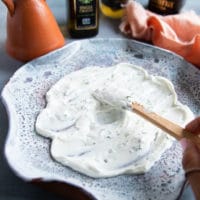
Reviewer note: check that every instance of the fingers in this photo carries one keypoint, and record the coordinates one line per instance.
(194, 126)
(191, 155)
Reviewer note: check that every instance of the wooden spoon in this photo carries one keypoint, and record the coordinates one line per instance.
(118, 100)
(168, 126)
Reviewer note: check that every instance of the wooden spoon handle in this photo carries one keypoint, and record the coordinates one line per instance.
(168, 126)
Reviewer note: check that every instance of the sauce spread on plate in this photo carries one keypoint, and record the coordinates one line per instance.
(99, 140)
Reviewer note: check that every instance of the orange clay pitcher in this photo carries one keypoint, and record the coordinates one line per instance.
(32, 30)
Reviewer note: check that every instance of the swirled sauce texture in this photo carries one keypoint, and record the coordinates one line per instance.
(99, 140)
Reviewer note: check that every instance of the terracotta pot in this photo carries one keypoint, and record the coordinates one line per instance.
(32, 30)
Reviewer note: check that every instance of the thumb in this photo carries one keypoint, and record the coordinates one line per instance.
(194, 126)
(191, 155)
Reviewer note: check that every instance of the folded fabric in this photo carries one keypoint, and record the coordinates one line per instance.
(179, 33)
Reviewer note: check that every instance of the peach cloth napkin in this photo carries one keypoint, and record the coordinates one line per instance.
(179, 33)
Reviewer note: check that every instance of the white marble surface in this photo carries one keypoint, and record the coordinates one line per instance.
(11, 187)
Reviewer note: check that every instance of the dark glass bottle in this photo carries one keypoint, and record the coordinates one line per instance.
(83, 18)
(165, 7)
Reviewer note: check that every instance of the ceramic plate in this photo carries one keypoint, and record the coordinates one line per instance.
(24, 97)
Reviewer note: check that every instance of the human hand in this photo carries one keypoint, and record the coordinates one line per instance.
(191, 154)
(191, 158)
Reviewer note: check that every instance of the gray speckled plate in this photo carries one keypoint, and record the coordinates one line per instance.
(28, 153)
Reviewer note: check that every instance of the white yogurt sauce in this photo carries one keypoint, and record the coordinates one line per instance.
(99, 140)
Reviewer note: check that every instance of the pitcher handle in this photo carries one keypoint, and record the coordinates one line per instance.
(10, 5)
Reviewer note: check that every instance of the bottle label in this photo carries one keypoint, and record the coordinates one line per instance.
(86, 14)
(163, 5)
